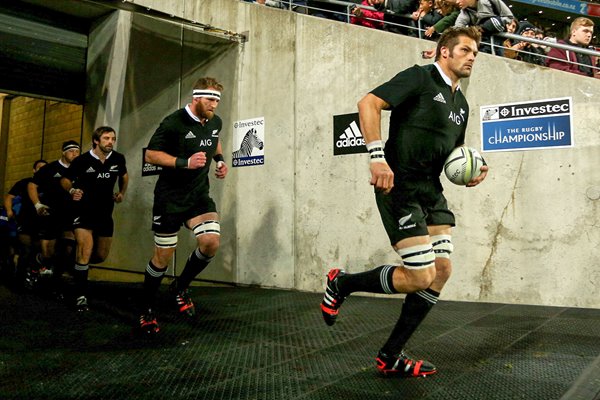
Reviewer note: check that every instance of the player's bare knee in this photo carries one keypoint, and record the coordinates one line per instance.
(423, 278)
(443, 268)
(209, 244)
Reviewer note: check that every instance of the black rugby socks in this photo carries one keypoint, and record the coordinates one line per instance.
(152, 279)
(414, 310)
(378, 280)
(195, 264)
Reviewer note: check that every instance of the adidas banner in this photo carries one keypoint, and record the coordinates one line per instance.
(147, 168)
(347, 138)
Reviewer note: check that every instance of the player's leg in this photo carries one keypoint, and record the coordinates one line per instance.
(165, 229)
(102, 245)
(206, 229)
(417, 305)
(392, 358)
(85, 244)
(404, 222)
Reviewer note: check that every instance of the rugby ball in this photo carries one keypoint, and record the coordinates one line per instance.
(463, 164)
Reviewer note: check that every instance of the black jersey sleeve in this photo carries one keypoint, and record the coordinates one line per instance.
(122, 164)
(163, 138)
(401, 87)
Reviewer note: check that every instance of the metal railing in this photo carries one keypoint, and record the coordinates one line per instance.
(346, 8)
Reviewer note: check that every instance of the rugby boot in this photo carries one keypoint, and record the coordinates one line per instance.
(403, 365)
(184, 303)
(332, 300)
(81, 304)
(148, 324)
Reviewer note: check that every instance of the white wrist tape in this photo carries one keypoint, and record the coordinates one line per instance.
(39, 205)
(376, 153)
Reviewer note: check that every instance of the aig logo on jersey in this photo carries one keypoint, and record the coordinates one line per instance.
(347, 138)
(457, 118)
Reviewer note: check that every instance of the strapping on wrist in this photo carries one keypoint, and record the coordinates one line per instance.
(181, 163)
(376, 153)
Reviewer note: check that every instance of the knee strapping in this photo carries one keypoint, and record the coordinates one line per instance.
(165, 240)
(442, 245)
(417, 257)
(207, 227)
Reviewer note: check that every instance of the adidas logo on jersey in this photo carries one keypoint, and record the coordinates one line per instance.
(439, 97)
(57, 175)
(90, 169)
(351, 137)
(190, 135)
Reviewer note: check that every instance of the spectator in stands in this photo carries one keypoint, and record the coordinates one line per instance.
(582, 29)
(324, 9)
(530, 53)
(271, 3)
(427, 14)
(510, 47)
(397, 16)
(449, 11)
(491, 16)
(366, 17)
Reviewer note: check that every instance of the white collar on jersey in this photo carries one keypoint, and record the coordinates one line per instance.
(194, 117)
(96, 157)
(191, 114)
(445, 77)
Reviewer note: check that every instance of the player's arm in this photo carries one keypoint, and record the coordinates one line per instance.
(158, 157)
(222, 169)
(123, 183)
(8, 199)
(369, 111)
(67, 184)
(32, 191)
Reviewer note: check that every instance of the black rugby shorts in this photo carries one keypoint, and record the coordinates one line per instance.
(412, 206)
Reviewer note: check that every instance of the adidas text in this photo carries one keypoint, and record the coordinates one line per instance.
(350, 142)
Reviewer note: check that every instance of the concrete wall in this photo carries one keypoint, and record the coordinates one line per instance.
(527, 235)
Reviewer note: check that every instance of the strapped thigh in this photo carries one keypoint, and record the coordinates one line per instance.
(165, 240)
(209, 226)
(442, 245)
(420, 256)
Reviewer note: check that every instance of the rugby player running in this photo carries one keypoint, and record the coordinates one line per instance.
(428, 120)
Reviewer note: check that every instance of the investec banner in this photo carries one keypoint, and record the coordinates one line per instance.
(525, 126)
(347, 138)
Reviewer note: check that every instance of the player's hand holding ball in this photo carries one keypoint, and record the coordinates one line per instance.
(465, 167)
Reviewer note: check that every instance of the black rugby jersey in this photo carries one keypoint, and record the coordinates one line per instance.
(19, 190)
(97, 179)
(427, 122)
(49, 189)
(180, 135)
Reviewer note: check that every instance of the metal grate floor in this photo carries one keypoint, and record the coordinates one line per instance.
(250, 343)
